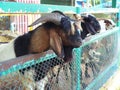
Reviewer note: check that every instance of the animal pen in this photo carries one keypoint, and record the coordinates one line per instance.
(93, 63)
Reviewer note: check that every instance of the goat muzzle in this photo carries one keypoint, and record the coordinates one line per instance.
(77, 43)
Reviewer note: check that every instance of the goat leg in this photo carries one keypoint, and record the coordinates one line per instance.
(86, 70)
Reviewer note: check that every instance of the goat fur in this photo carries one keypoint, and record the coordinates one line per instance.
(44, 37)
(90, 25)
(106, 24)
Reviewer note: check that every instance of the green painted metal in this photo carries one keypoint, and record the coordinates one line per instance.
(78, 53)
(17, 67)
(114, 3)
(105, 75)
(118, 17)
(119, 50)
(14, 7)
(22, 8)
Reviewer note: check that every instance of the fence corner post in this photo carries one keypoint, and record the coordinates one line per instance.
(78, 52)
(78, 10)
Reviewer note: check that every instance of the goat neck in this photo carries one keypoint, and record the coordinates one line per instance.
(35, 41)
(40, 41)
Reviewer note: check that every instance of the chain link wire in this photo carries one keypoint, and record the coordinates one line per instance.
(51, 73)
(96, 57)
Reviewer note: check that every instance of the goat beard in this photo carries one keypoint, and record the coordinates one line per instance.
(68, 53)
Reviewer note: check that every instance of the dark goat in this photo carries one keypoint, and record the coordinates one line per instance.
(89, 24)
(57, 32)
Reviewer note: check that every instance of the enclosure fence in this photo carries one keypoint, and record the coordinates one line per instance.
(95, 61)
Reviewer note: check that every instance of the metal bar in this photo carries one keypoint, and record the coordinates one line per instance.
(118, 18)
(78, 53)
(14, 7)
(114, 3)
(21, 60)
(99, 10)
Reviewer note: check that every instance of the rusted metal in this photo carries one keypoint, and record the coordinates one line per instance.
(20, 60)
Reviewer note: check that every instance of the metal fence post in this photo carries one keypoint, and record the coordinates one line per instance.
(78, 67)
(114, 3)
(118, 18)
(78, 59)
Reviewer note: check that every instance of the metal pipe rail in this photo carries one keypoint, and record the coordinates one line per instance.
(13, 8)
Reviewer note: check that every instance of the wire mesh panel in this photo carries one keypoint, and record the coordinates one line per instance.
(96, 57)
(50, 74)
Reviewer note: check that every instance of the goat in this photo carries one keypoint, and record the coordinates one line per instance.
(56, 36)
(90, 62)
(89, 25)
(61, 34)
(106, 24)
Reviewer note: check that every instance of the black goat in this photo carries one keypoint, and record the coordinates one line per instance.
(89, 25)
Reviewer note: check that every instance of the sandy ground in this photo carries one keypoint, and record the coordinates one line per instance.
(113, 83)
(7, 35)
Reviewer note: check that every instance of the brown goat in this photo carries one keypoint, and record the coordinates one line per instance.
(57, 32)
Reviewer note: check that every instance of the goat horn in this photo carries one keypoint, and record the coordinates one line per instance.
(51, 17)
(77, 16)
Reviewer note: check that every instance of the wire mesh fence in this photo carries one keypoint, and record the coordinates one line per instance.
(96, 57)
(51, 73)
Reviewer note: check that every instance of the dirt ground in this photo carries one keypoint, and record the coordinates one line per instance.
(113, 83)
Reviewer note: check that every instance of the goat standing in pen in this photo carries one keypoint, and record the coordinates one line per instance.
(57, 32)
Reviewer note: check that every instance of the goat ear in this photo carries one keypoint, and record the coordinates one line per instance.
(56, 43)
(90, 28)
